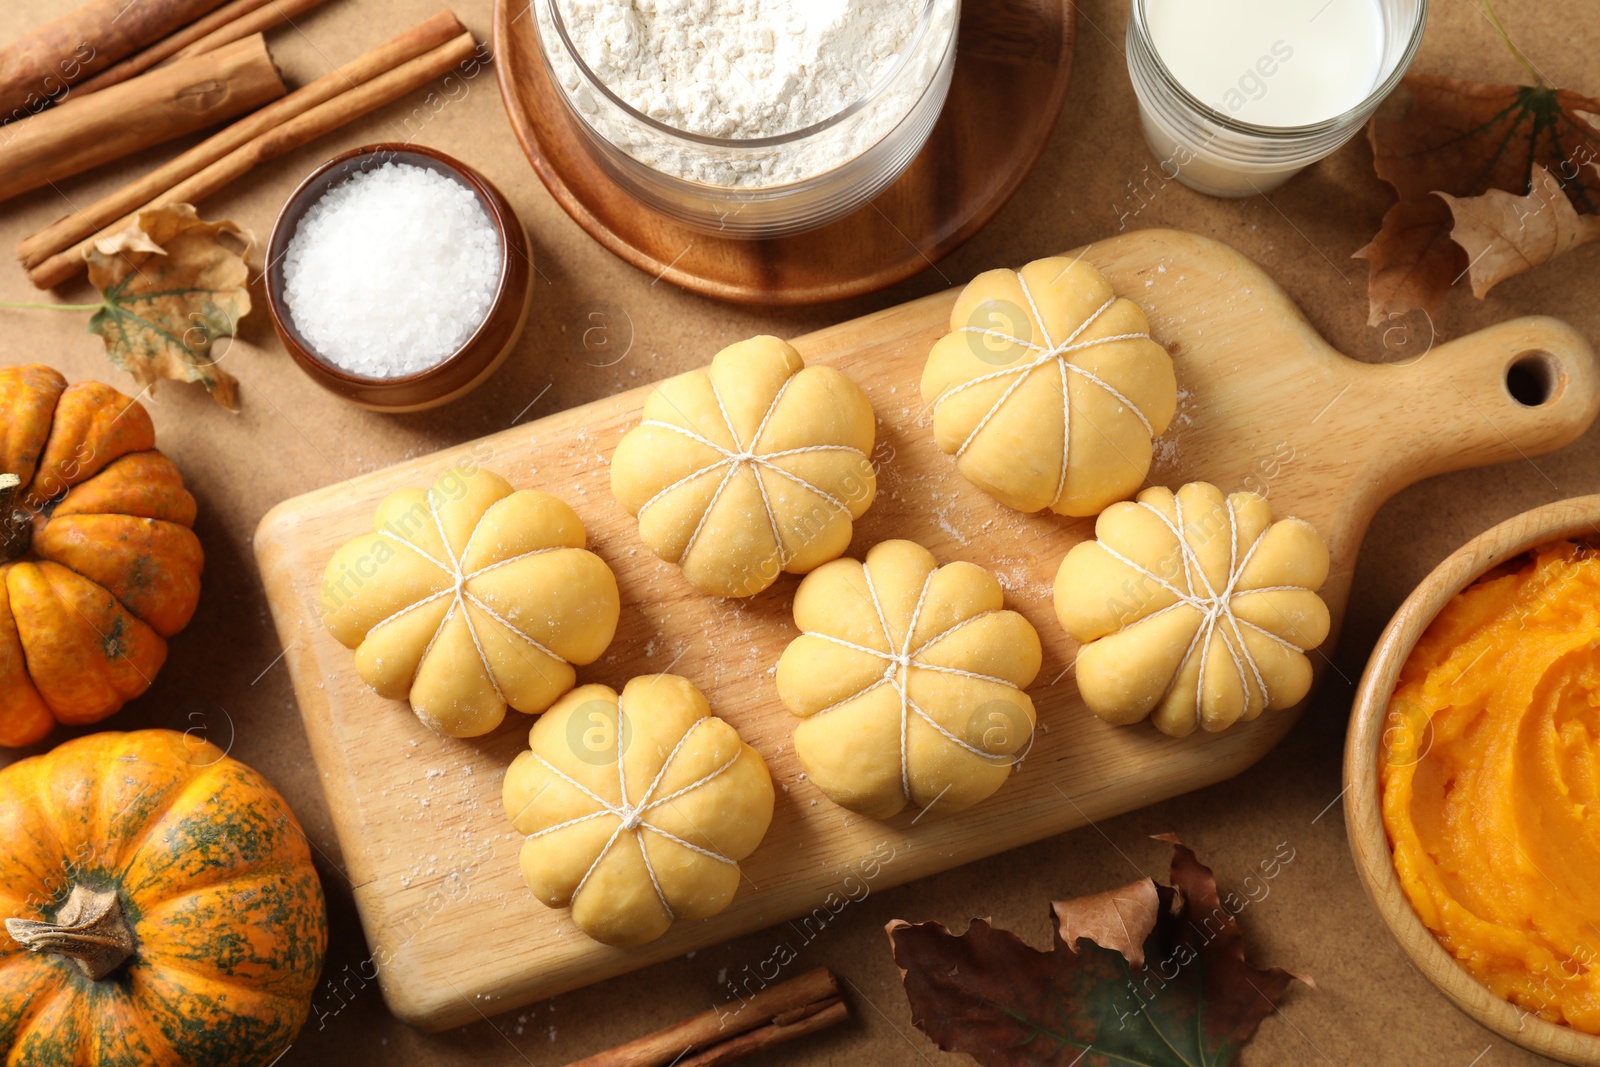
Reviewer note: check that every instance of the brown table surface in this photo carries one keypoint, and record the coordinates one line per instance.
(224, 674)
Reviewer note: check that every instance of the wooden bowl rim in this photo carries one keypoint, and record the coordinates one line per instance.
(1369, 843)
(340, 380)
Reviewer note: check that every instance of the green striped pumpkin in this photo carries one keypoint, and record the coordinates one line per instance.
(160, 905)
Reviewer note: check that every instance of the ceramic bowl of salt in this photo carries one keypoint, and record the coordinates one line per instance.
(399, 278)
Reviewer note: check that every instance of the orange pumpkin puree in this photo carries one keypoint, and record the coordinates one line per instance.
(1491, 782)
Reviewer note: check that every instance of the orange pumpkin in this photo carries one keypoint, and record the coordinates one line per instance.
(98, 564)
(167, 895)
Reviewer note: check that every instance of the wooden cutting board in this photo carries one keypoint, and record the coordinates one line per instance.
(1265, 404)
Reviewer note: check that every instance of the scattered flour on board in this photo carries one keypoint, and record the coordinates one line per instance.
(942, 517)
(1019, 578)
(1166, 446)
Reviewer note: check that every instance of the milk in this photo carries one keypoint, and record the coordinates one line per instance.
(1271, 62)
(1278, 64)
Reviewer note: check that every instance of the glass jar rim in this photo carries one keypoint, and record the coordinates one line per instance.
(924, 26)
(1322, 126)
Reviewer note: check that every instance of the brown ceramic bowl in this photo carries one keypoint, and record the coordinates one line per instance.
(471, 364)
(1578, 518)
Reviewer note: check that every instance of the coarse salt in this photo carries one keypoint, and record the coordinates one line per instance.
(391, 270)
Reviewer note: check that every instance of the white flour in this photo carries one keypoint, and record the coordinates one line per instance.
(742, 69)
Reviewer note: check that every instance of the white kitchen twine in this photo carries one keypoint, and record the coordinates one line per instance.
(1212, 606)
(899, 668)
(631, 817)
(747, 454)
(1049, 352)
(461, 596)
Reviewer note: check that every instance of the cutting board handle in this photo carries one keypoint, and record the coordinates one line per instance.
(1512, 391)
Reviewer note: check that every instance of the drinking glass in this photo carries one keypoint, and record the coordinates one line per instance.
(1218, 154)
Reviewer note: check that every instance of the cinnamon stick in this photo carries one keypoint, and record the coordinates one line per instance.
(772, 1016)
(302, 129)
(765, 1037)
(171, 45)
(37, 69)
(85, 221)
(276, 14)
(187, 96)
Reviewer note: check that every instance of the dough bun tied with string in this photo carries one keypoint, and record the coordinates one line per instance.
(636, 808)
(1194, 609)
(1048, 389)
(908, 678)
(470, 598)
(755, 466)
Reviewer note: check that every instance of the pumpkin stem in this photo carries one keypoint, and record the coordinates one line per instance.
(16, 525)
(89, 930)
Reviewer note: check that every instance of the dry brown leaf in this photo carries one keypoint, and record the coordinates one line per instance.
(1143, 976)
(1119, 919)
(1505, 235)
(1442, 135)
(172, 287)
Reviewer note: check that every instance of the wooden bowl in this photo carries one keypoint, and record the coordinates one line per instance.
(1013, 63)
(1578, 517)
(471, 364)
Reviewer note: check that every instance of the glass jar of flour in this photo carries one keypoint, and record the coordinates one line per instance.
(1237, 96)
(752, 118)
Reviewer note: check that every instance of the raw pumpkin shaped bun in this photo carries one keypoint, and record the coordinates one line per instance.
(1048, 389)
(909, 679)
(1194, 610)
(471, 597)
(755, 466)
(637, 809)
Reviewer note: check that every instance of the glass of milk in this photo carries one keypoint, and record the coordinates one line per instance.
(1237, 96)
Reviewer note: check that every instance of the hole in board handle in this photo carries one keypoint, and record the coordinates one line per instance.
(1533, 379)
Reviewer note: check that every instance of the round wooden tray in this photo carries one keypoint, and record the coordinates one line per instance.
(1013, 61)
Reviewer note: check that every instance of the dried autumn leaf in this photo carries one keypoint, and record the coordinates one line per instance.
(172, 287)
(1147, 975)
(1464, 138)
(1505, 235)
